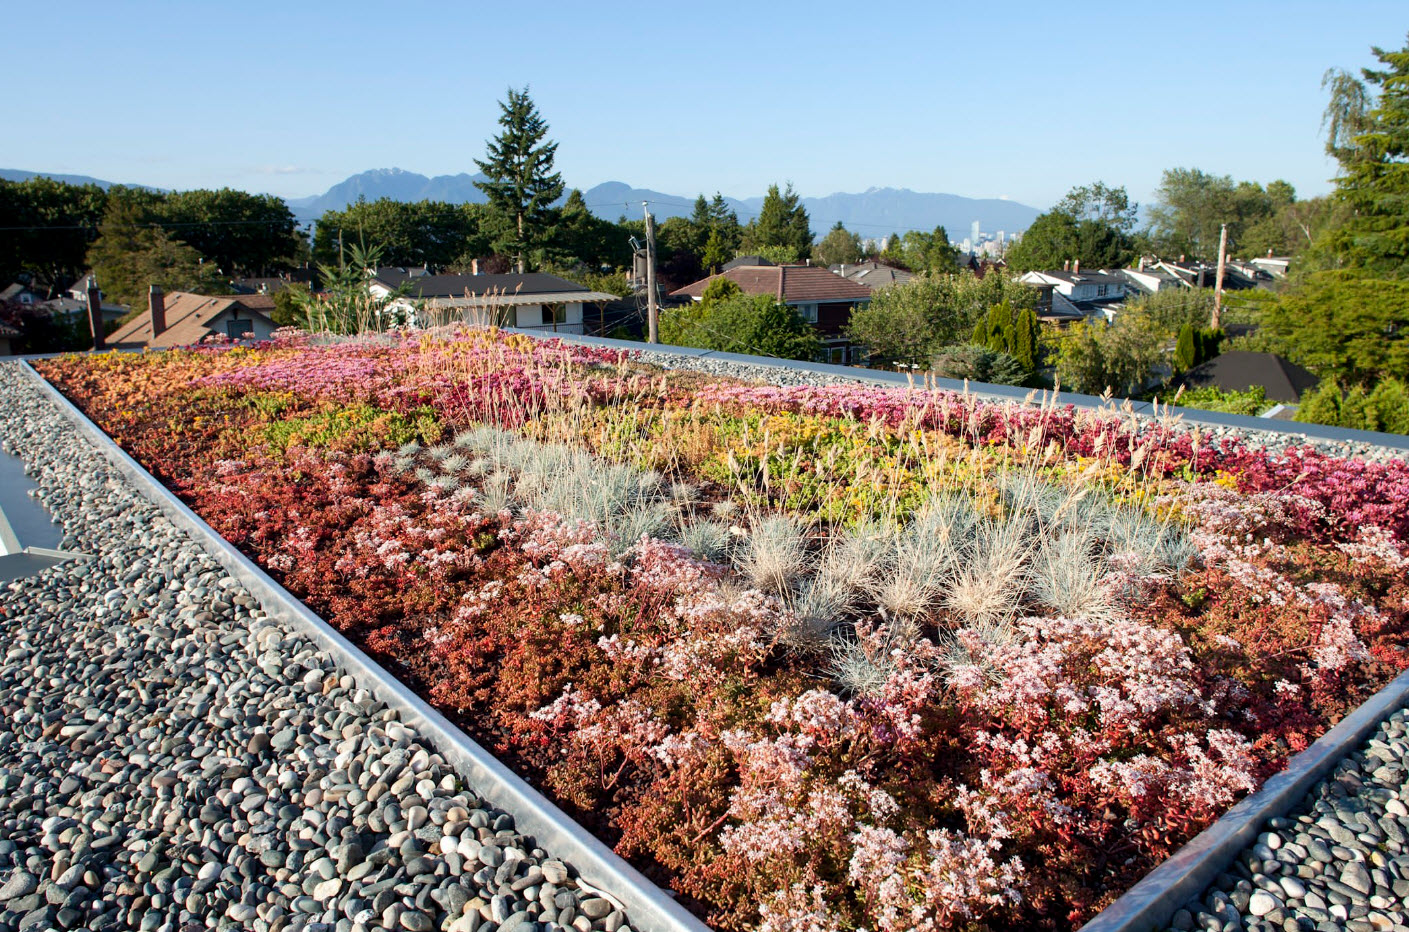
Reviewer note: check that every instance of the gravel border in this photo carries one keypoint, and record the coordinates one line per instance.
(172, 757)
(1341, 861)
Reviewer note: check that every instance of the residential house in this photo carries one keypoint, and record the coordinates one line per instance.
(184, 319)
(1091, 294)
(823, 299)
(1237, 276)
(1237, 371)
(19, 293)
(533, 300)
(1147, 278)
(872, 274)
(1276, 266)
(74, 302)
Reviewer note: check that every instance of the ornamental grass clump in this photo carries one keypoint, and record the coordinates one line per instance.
(776, 553)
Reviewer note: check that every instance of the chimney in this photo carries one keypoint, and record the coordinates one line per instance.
(1066, 265)
(156, 301)
(1075, 266)
(1141, 266)
(95, 312)
(474, 266)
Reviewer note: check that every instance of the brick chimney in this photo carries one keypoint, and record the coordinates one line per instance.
(1075, 266)
(156, 301)
(95, 312)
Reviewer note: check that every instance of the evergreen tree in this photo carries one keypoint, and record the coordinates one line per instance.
(1185, 350)
(782, 222)
(1025, 339)
(1321, 405)
(521, 184)
(1369, 136)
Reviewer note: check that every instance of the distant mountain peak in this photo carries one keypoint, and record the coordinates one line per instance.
(874, 212)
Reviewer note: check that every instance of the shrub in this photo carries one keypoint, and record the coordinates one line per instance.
(979, 364)
(1251, 402)
(1386, 408)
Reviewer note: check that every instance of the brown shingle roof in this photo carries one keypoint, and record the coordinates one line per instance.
(188, 318)
(790, 284)
(253, 302)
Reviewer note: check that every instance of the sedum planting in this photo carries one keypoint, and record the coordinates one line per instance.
(814, 658)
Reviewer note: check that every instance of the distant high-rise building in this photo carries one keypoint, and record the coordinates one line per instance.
(973, 233)
(999, 237)
(967, 245)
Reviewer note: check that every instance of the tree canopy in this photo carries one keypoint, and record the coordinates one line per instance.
(52, 225)
(908, 323)
(421, 233)
(840, 245)
(520, 181)
(1368, 134)
(733, 322)
(132, 253)
(1341, 324)
(1092, 224)
(1191, 206)
(782, 222)
(243, 234)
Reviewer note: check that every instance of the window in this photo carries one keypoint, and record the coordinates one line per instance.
(554, 314)
(236, 329)
(1100, 291)
(808, 312)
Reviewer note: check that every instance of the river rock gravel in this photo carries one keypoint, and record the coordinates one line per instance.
(1340, 862)
(173, 759)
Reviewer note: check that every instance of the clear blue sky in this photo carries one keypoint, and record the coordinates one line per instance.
(1003, 99)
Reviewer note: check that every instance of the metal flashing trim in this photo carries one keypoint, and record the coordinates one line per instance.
(1149, 905)
(992, 392)
(649, 908)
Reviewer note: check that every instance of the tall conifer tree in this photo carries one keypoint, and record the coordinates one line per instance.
(521, 184)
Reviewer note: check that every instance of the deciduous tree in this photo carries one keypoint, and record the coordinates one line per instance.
(840, 245)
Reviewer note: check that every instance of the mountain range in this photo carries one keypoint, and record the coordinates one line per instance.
(19, 174)
(872, 213)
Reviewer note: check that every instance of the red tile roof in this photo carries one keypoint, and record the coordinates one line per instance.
(790, 284)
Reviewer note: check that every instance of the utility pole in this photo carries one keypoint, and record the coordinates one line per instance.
(1218, 284)
(652, 309)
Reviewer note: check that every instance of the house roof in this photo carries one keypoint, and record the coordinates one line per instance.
(790, 284)
(253, 302)
(738, 261)
(13, 291)
(882, 277)
(1239, 370)
(188, 318)
(872, 274)
(1095, 276)
(457, 286)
